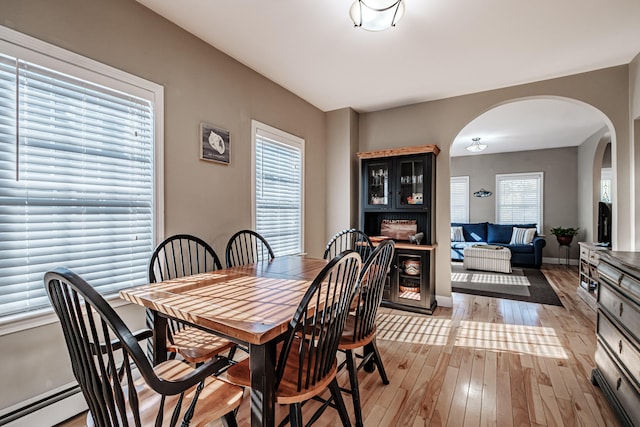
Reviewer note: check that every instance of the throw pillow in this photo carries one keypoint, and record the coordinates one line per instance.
(522, 236)
(456, 234)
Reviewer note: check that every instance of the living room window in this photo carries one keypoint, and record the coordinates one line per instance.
(519, 198)
(459, 199)
(278, 180)
(77, 182)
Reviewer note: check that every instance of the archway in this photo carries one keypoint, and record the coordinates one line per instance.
(566, 140)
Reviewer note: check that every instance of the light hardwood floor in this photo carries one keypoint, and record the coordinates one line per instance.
(484, 362)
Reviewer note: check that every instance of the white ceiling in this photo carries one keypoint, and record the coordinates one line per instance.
(440, 48)
(531, 124)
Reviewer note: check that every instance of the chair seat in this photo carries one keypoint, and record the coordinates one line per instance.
(346, 340)
(287, 392)
(196, 345)
(217, 398)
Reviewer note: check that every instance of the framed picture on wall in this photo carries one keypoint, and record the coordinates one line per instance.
(214, 143)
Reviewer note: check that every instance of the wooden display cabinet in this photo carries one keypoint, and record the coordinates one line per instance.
(399, 184)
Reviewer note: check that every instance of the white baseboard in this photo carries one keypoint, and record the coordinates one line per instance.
(559, 261)
(444, 301)
(44, 414)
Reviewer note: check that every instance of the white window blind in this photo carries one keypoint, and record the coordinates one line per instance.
(76, 183)
(519, 198)
(279, 197)
(459, 199)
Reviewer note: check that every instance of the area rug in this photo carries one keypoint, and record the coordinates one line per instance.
(523, 284)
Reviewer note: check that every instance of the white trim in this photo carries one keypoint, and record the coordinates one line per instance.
(32, 319)
(45, 54)
(464, 180)
(444, 301)
(68, 62)
(285, 138)
(560, 260)
(30, 48)
(51, 414)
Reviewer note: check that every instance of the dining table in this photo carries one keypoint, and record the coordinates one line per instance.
(251, 305)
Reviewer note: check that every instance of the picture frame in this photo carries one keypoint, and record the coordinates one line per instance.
(214, 144)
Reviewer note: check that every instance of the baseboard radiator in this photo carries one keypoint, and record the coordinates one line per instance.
(46, 410)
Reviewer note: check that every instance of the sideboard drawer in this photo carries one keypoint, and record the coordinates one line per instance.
(620, 346)
(619, 308)
(631, 285)
(617, 356)
(619, 386)
(609, 273)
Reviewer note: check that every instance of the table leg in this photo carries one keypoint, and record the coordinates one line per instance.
(158, 325)
(263, 376)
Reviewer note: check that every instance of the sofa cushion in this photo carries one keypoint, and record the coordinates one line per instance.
(501, 233)
(456, 234)
(473, 232)
(522, 236)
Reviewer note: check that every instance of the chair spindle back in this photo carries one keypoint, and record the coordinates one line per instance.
(315, 329)
(372, 280)
(247, 247)
(351, 239)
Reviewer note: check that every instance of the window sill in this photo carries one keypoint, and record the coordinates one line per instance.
(22, 321)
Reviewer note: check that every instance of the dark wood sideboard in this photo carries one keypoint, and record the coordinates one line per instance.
(617, 357)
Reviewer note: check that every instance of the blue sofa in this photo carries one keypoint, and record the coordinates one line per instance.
(499, 234)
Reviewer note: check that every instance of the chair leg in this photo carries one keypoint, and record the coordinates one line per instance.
(355, 391)
(232, 352)
(295, 415)
(337, 398)
(373, 348)
(229, 419)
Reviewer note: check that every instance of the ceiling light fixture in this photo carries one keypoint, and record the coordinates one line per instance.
(475, 146)
(376, 15)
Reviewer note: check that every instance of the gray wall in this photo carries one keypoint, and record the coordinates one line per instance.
(201, 84)
(560, 203)
(342, 170)
(591, 157)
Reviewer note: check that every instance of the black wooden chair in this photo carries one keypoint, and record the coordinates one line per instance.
(350, 239)
(178, 256)
(306, 359)
(247, 247)
(104, 357)
(360, 328)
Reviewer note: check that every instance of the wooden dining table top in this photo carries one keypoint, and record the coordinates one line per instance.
(252, 303)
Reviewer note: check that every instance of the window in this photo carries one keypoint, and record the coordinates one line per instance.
(519, 198)
(278, 177)
(77, 171)
(606, 180)
(459, 199)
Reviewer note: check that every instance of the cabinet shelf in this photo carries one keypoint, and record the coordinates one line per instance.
(588, 275)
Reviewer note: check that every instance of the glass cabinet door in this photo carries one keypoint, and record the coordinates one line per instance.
(377, 185)
(410, 174)
(409, 278)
